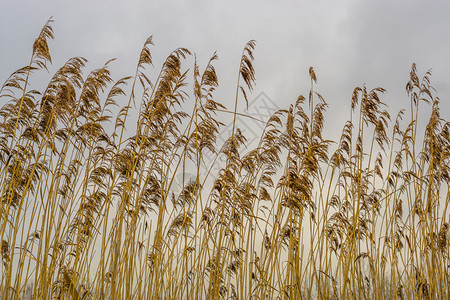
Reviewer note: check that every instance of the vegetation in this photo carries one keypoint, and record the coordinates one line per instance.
(88, 208)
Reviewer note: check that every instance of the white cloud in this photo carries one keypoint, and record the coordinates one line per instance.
(349, 43)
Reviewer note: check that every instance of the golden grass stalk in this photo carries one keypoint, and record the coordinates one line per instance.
(90, 207)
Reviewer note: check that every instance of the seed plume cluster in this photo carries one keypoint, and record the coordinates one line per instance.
(91, 208)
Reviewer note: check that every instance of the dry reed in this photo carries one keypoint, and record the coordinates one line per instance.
(89, 208)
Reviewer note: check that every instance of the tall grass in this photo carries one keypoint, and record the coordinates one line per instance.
(89, 209)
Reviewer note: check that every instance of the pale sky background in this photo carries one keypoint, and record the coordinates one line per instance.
(349, 43)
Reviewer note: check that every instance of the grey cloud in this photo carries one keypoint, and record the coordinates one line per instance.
(349, 43)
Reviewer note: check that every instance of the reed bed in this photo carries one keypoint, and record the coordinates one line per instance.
(90, 210)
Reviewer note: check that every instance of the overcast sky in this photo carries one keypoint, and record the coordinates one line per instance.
(349, 43)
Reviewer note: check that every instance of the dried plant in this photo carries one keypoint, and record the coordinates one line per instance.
(92, 205)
